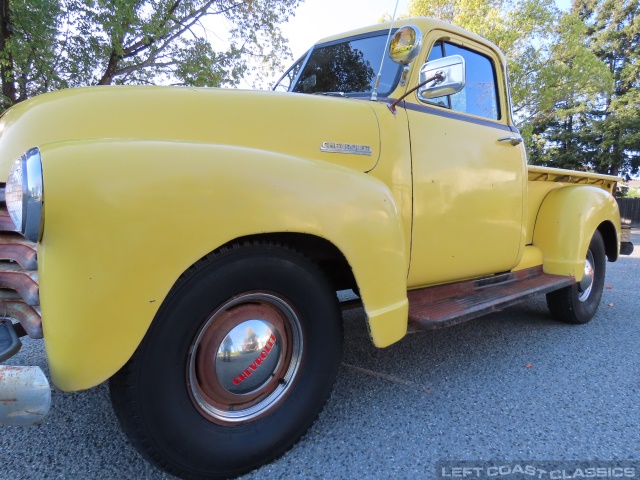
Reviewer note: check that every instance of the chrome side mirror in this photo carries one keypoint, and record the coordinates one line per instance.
(448, 74)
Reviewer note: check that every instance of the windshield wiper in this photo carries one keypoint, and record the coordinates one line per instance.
(331, 94)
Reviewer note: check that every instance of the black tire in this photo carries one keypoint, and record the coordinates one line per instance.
(185, 401)
(579, 302)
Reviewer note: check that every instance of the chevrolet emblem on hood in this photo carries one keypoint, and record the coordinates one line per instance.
(352, 148)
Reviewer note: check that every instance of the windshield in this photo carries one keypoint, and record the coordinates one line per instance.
(348, 66)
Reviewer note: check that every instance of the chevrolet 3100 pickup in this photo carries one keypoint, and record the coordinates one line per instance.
(187, 244)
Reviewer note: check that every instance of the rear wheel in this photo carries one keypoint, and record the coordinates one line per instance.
(579, 302)
(236, 366)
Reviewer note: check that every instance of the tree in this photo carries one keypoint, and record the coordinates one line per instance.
(571, 85)
(49, 44)
(614, 37)
(139, 41)
(28, 58)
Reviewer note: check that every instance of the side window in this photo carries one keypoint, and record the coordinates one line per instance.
(480, 94)
(438, 52)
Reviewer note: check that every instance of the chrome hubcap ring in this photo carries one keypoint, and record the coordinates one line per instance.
(586, 284)
(245, 358)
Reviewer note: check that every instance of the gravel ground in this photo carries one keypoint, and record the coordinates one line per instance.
(512, 386)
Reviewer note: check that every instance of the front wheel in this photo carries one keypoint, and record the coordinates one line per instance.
(236, 366)
(579, 302)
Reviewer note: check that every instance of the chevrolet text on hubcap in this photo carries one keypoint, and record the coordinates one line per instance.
(245, 358)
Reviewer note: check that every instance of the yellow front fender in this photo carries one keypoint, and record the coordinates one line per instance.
(566, 221)
(124, 219)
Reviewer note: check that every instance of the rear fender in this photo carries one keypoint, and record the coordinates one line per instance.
(566, 222)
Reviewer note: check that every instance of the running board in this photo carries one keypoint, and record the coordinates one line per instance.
(445, 305)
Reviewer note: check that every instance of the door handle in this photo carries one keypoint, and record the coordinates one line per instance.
(512, 140)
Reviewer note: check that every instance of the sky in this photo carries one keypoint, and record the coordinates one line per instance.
(316, 19)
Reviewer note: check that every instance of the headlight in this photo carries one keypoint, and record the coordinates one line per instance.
(24, 195)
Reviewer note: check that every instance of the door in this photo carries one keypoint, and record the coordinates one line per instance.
(468, 183)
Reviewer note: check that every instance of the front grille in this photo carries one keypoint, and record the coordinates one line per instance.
(19, 295)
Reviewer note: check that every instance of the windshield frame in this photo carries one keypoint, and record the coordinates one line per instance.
(304, 59)
(361, 36)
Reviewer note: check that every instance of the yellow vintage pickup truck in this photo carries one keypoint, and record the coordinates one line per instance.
(187, 244)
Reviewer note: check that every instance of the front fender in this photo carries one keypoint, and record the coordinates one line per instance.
(124, 219)
(566, 221)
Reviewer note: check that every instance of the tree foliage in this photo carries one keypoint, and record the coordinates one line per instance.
(596, 128)
(631, 193)
(614, 36)
(28, 53)
(49, 44)
(571, 85)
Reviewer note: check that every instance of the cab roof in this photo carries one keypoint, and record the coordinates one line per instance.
(425, 24)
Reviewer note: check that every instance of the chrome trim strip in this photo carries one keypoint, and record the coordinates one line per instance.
(294, 82)
(33, 195)
(453, 115)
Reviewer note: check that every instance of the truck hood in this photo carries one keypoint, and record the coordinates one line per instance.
(337, 130)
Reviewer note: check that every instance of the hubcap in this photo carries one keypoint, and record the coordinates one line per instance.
(256, 346)
(586, 284)
(245, 358)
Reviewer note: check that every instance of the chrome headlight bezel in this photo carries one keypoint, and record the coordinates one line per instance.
(28, 197)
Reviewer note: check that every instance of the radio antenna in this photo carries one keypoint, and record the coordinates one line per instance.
(374, 94)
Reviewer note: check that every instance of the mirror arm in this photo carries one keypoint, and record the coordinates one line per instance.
(439, 77)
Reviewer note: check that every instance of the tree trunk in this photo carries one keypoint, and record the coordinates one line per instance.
(112, 68)
(6, 68)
